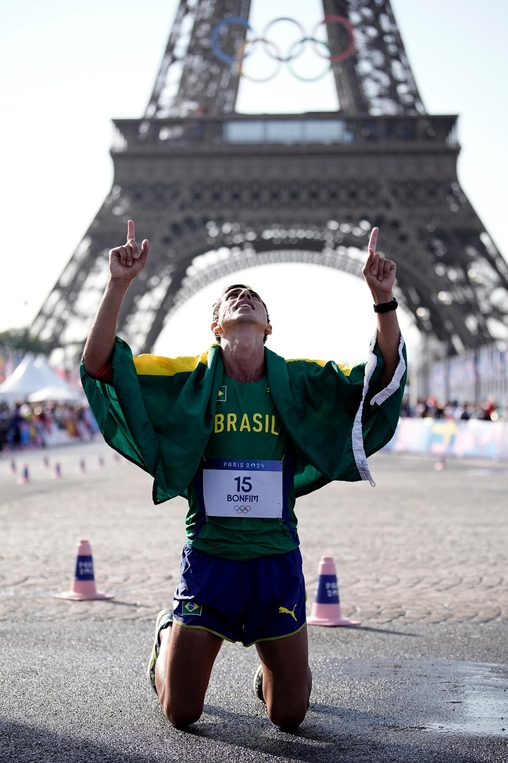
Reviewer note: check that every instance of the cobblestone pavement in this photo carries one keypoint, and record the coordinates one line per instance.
(425, 545)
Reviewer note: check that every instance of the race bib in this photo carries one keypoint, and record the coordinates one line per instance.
(250, 489)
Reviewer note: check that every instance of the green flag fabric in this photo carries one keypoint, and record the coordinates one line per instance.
(159, 412)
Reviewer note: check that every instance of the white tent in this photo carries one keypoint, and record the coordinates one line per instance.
(56, 394)
(32, 374)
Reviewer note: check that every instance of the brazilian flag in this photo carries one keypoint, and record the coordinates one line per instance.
(158, 412)
(190, 608)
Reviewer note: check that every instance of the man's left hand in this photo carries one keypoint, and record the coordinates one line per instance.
(379, 272)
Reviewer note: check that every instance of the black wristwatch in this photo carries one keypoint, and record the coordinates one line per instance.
(385, 307)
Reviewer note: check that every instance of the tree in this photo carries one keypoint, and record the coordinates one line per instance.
(20, 339)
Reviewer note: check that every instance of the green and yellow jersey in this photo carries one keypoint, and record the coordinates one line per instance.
(246, 427)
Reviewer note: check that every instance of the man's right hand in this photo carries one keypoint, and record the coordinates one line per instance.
(127, 261)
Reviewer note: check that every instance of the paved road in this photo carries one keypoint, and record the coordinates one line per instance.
(421, 561)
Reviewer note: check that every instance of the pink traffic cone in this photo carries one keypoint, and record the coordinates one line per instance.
(326, 607)
(83, 586)
(25, 476)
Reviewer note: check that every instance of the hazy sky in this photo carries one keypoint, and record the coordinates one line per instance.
(70, 66)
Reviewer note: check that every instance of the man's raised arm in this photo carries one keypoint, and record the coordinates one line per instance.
(379, 274)
(125, 263)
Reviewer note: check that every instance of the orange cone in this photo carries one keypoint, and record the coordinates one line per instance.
(83, 586)
(326, 607)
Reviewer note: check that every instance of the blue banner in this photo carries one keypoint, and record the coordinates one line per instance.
(84, 568)
(327, 590)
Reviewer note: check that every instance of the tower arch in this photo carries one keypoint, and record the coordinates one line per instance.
(197, 176)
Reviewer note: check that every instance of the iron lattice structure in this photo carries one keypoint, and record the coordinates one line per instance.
(216, 191)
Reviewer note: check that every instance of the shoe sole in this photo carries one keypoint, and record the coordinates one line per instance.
(156, 645)
(257, 684)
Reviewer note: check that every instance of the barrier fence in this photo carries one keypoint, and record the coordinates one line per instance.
(445, 437)
(474, 375)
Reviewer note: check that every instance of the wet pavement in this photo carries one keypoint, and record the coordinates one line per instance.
(421, 561)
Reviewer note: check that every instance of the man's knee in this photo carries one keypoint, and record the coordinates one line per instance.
(183, 720)
(178, 716)
(287, 718)
(287, 711)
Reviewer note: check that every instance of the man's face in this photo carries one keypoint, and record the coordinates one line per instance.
(242, 305)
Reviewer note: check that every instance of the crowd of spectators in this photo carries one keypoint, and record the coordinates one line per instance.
(433, 409)
(41, 425)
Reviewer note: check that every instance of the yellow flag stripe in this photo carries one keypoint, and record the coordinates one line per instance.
(157, 365)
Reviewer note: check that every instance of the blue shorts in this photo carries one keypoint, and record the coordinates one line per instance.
(254, 600)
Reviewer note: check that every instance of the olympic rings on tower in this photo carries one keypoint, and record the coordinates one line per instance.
(272, 50)
(240, 56)
(299, 42)
(350, 49)
(214, 37)
(322, 74)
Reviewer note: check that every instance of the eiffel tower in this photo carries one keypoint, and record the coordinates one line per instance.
(216, 191)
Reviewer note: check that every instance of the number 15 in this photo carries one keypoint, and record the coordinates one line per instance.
(243, 484)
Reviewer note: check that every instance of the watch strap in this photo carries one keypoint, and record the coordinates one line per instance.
(385, 307)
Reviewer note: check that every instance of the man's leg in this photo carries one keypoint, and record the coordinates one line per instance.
(182, 671)
(287, 680)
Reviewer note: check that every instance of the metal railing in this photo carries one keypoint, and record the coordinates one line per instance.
(288, 130)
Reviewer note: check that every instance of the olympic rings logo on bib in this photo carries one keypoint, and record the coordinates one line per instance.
(272, 50)
(243, 509)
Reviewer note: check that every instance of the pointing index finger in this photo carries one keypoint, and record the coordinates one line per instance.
(131, 232)
(372, 240)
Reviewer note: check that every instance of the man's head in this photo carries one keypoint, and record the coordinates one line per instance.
(241, 303)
